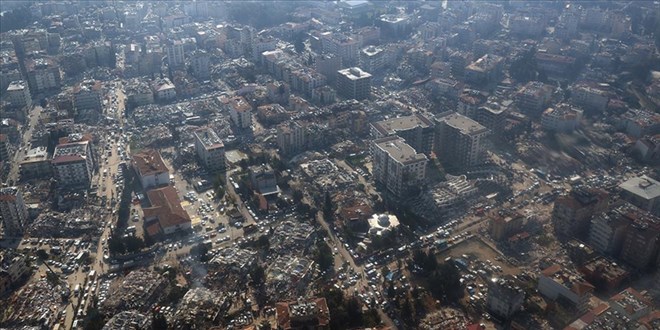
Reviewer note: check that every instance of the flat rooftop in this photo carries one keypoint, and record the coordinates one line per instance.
(642, 186)
(354, 73)
(394, 125)
(463, 124)
(399, 150)
(209, 138)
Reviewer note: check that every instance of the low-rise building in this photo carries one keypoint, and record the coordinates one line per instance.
(164, 90)
(561, 118)
(165, 216)
(151, 169)
(604, 274)
(240, 111)
(263, 179)
(484, 71)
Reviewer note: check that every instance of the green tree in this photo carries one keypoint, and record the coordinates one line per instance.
(323, 256)
(158, 321)
(297, 196)
(133, 244)
(116, 245)
(327, 207)
(258, 276)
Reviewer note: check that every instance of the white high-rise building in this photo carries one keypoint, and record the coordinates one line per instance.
(396, 165)
(175, 54)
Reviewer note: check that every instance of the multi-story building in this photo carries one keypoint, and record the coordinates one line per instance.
(608, 230)
(353, 83)
(554, 65)
(487, 70)
(373, 59)
(344, 46)
(396, 165)
(641, 242)
(417, 130)
(561, 118)
(459, 140)
(138, 93)
(13, 211)
(504, 225)
(631, 304)
(72, 164)
(4, 148)
(36, 164)
(263, 179)
(291, 138)
(604, 274)
(18, 94)
(556, 282)
(643, 192)
(210, 149)
(261, 44)
(240, 111)
(175, 53)
(200, 61)
(590, 97)
(533, 98)
(87, 100)
(13, 268)
(151, 169)
(571, 213)
(328, 65)
(164, 90)
(469, 102)
(504, 297)
(43, 74)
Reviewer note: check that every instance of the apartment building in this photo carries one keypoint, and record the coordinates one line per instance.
(43, 74)
(459, 140)
(18, 94)
(571, 213)
(87, 100)
(504, 297)
(563, 118)
(417, 130)
(240, 111)
(175, 53)
(151, 169)
(72, 164)
(373, 59)
(200, 62)
(486, 70)
(533, 98)
(556, 282)
(354, 83)
(210, 150)
(641, 242)
(13, 211)
(396, 165)
(291, 138)
(504, 225)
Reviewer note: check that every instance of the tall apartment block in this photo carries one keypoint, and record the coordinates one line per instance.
(291, 138)
(396, 165)
(354, 83)
(13, 211)
(417, 130)
(460, 141)
(210, 150)
(72, 164)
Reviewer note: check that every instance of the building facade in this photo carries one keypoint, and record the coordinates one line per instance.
(460, 141)
(210, 150)
(13, 211)
(73, 165)
(396, 165)
(354, 83)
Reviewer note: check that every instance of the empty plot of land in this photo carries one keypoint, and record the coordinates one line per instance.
(475, 249)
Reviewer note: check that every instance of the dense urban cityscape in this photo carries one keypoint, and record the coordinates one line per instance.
(350, 164)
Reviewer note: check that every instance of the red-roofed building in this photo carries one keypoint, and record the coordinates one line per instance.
(165, 215)
(151, 169)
